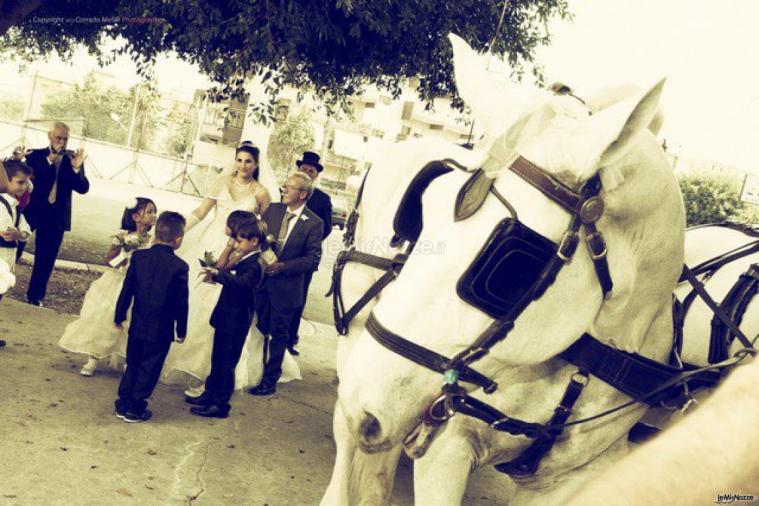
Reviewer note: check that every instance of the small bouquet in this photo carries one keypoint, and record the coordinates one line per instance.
(267, 256)
(208, 260)
(127, 243)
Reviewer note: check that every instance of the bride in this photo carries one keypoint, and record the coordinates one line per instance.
(241, 189)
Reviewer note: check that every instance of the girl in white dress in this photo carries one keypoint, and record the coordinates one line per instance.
(240, 190)
(94, 333)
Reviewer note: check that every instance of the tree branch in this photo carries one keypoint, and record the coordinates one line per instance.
(12, 12)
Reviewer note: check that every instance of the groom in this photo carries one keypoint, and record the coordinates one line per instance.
(298, 248)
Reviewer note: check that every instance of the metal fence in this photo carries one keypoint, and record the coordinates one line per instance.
(115, 162)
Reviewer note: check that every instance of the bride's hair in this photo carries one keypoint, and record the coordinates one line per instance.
(253, 151)
(137, 205)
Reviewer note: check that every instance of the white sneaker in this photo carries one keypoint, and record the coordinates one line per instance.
(195, 392)
(90, 367)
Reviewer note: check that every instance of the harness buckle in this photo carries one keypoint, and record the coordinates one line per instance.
(591, 210)
(596, 245)
(567, 246)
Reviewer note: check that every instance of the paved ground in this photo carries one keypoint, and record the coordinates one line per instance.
(62, 445)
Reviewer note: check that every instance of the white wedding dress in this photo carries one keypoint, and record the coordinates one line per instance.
(193, 357)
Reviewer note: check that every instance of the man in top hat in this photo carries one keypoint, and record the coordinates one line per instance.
(321, 205)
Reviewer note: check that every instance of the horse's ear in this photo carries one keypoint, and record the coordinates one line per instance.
(613, 131)
(492, 101)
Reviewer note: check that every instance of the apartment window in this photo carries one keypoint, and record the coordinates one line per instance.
(378, 133)
(405, 130)
(385, 100)
(369, 105)
(436, 127)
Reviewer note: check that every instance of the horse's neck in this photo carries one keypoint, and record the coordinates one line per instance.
(644, 232)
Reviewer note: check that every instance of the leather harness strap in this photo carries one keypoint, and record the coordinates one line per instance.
(423, 356)
(547, 184)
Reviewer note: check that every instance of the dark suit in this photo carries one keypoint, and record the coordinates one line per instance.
(157, 282)
(283, 293)
(231, 318)
(49, 221)
(321, 205)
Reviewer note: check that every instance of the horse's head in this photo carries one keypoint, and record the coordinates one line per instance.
(383, 393)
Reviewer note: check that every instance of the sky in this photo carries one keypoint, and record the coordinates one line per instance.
(704, 48)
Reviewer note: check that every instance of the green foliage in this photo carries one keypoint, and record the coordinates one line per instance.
(289, 140)
(12, 108)
(93, 103)
(332, 47)
(712, 199)
(156, 127)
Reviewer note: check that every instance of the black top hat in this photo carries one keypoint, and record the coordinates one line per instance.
(311, 158)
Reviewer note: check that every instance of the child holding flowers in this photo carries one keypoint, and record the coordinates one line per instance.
(94, 334)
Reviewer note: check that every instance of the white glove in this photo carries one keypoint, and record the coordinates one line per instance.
(190, 221)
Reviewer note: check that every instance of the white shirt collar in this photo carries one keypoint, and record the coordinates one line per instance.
(11, 199)
(298, 211)
(249, 255)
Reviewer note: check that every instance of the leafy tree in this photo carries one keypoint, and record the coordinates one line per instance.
(93, 103)
(179, 125)
(332, 47)
(12, 108)
(289, 140)
(713, 199)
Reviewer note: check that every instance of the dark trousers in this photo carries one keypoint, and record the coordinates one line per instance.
(20, 250)
(298, 314)
(47, 243)
(144, 363)
(227, 348)
(279, 320)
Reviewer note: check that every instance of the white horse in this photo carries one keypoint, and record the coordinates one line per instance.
(632, 167)
(383, 395)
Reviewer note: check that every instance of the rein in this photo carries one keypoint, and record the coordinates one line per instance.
(646, 381)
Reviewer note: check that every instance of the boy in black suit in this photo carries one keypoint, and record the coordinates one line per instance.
(157, 281)
(232, 318)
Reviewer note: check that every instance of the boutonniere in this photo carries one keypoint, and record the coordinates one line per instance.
(303, 217)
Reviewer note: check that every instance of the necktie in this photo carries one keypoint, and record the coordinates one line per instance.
(54, 189)
(283, 230)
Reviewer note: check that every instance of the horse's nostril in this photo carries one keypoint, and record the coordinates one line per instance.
(371, 430)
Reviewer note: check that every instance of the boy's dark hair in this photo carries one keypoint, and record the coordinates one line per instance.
(14, 167)
(127, 221)
(237, 218)
(254, 228)
(169, 227)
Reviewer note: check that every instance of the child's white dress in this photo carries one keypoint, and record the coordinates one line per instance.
(94, 332)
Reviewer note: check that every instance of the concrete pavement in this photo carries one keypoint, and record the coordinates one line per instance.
(62, 445)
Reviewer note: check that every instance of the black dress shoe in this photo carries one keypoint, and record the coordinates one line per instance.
(293, 351)
(2, 343)
(263, 389)
(34, 302)
(201, 400)
(211, 411)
